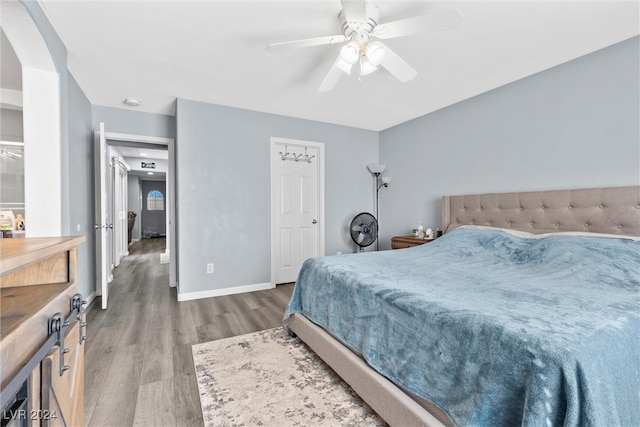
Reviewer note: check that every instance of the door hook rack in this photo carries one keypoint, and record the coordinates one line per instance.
(295, 157)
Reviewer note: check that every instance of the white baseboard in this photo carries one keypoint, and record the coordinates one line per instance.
(186, 296)
(90, 298)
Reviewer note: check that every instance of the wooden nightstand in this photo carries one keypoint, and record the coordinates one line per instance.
(400, 242)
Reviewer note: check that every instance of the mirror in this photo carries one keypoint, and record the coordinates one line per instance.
(11, 130)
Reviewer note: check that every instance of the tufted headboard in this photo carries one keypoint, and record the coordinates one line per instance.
(613, 210)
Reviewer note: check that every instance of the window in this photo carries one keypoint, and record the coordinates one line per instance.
(155, 201)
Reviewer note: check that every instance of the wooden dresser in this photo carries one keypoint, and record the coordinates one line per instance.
(42, 331)
(401, 242)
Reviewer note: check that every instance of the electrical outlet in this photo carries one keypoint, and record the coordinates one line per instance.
(210, 268)
(338, 253)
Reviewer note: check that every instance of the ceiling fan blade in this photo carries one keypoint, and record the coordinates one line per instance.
(355, 11)
(397, 66)
(316, 41)
(443, 20)
(360, 237)
(334, 74)
(357, 228)
(330, 80)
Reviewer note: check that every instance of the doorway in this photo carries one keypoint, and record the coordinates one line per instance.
(144, 159)
(297, 206)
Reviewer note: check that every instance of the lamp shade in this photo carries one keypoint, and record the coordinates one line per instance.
(385, 180)
(376, 168)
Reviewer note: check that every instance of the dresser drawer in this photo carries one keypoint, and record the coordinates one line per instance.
(401, 242)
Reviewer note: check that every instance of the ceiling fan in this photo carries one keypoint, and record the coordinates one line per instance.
(362, 32)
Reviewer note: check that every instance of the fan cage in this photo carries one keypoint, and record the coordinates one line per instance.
(364, 230)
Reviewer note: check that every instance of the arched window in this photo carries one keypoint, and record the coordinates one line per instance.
(155, 201)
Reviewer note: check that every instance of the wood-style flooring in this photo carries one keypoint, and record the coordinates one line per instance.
(138, 363)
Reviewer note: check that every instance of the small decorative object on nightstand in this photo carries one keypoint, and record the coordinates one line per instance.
(401, 242)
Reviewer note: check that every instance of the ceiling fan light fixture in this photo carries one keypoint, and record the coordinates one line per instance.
(344, 66)
(366, 67)
(350, 52)
(375, 52)
(360, 24)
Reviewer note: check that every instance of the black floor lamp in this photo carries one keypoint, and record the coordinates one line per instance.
(380, 181)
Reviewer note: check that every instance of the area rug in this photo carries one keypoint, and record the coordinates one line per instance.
(268, 378)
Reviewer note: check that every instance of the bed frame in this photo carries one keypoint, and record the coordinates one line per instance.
(613, 210)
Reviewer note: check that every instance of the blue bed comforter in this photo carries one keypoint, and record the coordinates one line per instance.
(492, 328)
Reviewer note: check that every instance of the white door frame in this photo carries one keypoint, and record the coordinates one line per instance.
(101, 226)
(274, 208)
(119, 214)
(170, 196)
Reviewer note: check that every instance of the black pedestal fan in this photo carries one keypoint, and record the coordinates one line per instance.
(364, 230)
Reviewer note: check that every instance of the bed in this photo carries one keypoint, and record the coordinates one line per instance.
(527, 311)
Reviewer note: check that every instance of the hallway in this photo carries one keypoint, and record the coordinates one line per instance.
(138, 363)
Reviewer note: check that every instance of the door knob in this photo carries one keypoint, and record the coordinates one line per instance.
(315, 221)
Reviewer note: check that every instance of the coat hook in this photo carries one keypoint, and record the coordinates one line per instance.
(295, 157)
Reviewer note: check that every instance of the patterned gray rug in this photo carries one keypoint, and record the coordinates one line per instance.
(270, 379)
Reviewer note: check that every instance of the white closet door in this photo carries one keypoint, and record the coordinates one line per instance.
(295, 191)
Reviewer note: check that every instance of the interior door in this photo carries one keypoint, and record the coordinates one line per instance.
(120, 243)
(295, 190)
(101, 227)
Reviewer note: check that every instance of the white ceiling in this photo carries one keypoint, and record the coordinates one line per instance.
(143, 153)
(133, 155)
(214, 52)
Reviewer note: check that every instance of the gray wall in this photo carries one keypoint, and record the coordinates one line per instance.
(81, 205)
(122, 120)
(223, 189)
(153, 221)
(573, 126)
